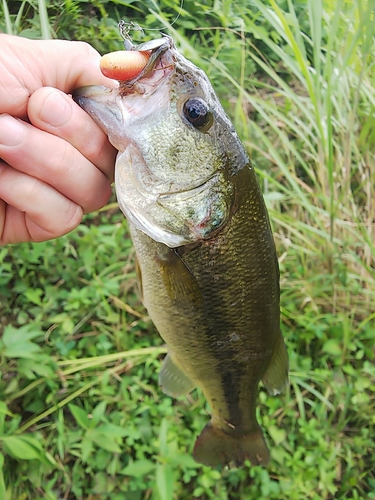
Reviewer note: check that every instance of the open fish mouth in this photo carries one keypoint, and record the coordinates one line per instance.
(153, 66)
(128, 101)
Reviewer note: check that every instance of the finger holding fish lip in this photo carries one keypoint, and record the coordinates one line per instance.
(56, 113)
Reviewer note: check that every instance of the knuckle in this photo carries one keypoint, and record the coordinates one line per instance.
(64, 160)
(31, 190)
(85, 49)
(73, 216)
(62, 217)
(94, 199)
(94, 146)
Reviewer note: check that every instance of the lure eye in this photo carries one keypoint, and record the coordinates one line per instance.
(196, 112)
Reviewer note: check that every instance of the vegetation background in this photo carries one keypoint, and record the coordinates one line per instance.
(81, 414)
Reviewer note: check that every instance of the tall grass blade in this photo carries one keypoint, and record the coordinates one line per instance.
(44, 20)
(8, 22)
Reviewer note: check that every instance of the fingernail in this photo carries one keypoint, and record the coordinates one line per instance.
(56, 111)
(12, 131)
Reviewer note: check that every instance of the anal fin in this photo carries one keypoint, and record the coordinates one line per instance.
(172, 379)
(276, 377)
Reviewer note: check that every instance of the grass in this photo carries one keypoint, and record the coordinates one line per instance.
(81, 415)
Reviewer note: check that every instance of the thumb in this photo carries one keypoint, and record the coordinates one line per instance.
(31, 64)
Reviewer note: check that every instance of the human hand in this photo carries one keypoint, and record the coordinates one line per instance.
(55, 162)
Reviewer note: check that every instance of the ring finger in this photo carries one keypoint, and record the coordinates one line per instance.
(31, 210)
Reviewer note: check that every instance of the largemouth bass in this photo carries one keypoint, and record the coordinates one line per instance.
(205, 253)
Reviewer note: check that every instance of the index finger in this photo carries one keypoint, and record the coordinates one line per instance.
(56, 113)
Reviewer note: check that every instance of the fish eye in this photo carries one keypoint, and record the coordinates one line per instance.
(196, 112)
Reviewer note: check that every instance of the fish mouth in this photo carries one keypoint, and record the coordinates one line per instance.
(157, 48)
(115, 109)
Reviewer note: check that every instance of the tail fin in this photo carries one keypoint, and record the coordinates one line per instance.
(215, 447)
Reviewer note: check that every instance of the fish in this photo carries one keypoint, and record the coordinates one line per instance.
(206, 257)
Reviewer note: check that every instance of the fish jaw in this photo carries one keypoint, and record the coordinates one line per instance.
(116, 115)
(174, 218)
(101, 104)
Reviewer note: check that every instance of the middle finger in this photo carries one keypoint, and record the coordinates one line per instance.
(54, 161)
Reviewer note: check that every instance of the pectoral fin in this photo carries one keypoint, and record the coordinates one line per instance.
(180, 284)
(276, 377)
(172, 379)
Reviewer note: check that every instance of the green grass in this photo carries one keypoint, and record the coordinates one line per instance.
(81, 414)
